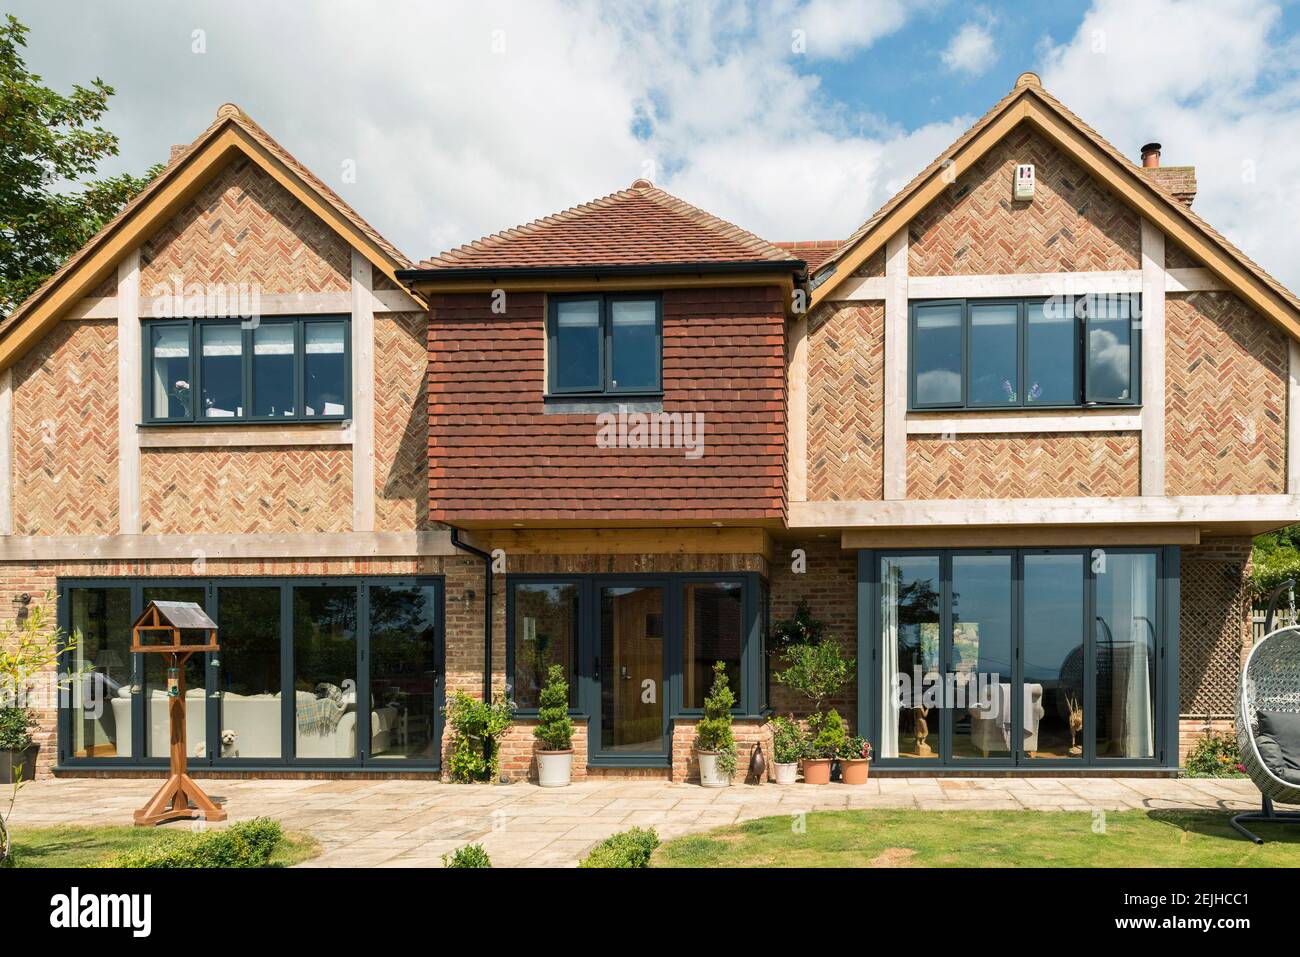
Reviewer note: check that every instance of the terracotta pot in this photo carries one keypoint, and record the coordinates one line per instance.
(855, 772)
(816, 770)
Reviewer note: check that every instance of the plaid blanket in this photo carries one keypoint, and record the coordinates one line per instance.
(319, 716)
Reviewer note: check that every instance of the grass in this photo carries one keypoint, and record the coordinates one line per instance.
(87, 846)
(986, 839)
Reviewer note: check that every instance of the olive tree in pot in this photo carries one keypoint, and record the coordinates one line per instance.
(715, 745)
(788, 746)
(29, 652)
(817, 671)
(554, 732)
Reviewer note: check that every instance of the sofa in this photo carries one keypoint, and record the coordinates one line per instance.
(990, 722)
(255, 719)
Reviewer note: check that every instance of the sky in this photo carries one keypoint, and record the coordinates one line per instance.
(442, 122)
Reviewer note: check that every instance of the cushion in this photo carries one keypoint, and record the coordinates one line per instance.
(1278, 741)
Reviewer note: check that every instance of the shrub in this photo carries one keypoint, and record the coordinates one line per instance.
(815, 671)
(625, 849)
(855, 748)
(789, 742)
(1215, 756)
(476, 729)
(713, 731)
(247, 844)
(16, 725)
(554, 729)
(471, 855)
(801, 629)
(828, 735)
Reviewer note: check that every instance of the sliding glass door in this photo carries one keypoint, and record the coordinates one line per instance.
(1032, 657)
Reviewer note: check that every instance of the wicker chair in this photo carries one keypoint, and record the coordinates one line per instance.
(1270, 681)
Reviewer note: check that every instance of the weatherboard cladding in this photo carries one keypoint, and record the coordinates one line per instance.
(495, 454)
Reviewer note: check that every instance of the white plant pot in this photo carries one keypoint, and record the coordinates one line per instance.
(554, 768)
(711, 775)
(787, 773)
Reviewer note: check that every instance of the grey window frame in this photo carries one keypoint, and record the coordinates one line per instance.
(605, 355)
(1022, 303)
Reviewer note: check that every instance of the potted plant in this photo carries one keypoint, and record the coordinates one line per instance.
(788, 745)
(855, 760)
(554, 732)
(828, 737)
(715, 745)
(817, 671)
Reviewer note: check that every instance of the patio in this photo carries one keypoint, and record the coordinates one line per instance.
(413, 823)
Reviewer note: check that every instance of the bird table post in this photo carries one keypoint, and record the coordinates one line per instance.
(177, 629)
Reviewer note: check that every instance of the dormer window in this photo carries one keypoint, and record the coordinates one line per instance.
(605, 345)
(222, 370)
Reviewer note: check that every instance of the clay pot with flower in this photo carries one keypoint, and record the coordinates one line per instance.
(855, 760)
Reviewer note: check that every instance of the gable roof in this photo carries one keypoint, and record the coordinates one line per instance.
(187, 171)
(812, 251)
(639, 226)
(1150, 195)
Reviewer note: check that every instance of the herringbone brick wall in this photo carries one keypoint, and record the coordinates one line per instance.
(401, 422)
(1032, 465)
(65, 432)
(1225, 398)
(1178, 258)
(1214, 625)
(243, 227)
(245, 490)
(1072, 224)
(846, 412)
(874, 267)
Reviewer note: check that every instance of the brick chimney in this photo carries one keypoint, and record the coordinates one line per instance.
(177, 150)
(1179, 180)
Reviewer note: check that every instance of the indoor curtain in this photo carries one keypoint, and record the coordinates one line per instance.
(889, 660)
(1139, 740)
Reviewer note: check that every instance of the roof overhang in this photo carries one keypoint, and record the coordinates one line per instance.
(1030, 104)
(225, 141)
(614, 277)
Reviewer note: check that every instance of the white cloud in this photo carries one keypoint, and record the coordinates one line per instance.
(971, 50)
(1216, 85)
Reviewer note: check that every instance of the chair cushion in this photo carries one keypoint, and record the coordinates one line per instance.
(1278, 741)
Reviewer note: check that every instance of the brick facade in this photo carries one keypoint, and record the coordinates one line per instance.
(1033, 465)
(497, 454)
(401, 423)
(846, 401)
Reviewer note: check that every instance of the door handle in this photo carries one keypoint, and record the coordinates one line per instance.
(596, 669)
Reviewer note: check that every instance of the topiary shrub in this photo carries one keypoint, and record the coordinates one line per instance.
(625, 849)
(1215, 756)
(554, 728)
(247, 844)
(471, 855)
(713, 731)
(789, 742)
(476, 729)
(828, 734)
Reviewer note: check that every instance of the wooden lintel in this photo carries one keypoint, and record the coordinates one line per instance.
(632, 541)
(1061, 536)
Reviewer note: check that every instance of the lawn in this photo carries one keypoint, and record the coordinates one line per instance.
(88, 846)
(985, 839)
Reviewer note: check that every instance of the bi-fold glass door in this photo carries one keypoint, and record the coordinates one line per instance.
(1030, 657)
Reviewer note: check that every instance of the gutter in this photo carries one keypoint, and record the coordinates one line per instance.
(487, 608)
(797, 266)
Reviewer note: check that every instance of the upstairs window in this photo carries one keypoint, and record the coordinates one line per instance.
(604, 345)
(1025, 353)
(217, 370)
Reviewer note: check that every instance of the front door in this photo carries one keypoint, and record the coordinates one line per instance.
(629, 669)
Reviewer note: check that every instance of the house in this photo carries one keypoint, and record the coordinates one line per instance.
(1009, 440)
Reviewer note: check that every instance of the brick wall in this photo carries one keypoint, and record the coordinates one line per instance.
(1033, 465)
(401, 422)
(1225, 398)
(846, 410)
(1073, 223)
(495, 454)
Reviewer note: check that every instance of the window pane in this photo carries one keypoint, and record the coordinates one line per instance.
(1110, 370)
(577, 345)
(223, 371)
(325, 671)
(156, 703)
(1049, 361)
(937, 359)
(634, 345)
(1126, 656)
(171, 377)
(249, 682)
(273, 369)
(981, 655)
(101, 699)
(994, 359)
(715, 618)
(1054, 666)
(545, 634)
(910, 590)
(403, 671)
(325, 369)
